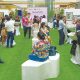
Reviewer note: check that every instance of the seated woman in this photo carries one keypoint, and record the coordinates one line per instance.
(40, 49)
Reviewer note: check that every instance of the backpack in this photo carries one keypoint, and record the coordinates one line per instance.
(52, 51)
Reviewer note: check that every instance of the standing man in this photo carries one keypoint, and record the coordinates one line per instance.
(10, 31)
(61, 32)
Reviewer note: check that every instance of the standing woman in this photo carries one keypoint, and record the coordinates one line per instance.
(29, 25)
(17, 24)
(65, 28)
(78, 31)
(61, 32)
(24, 24)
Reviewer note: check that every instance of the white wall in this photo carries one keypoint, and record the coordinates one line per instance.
(22, 0)
(44, 0)
(78, 0)
(15, 0)
(5, 11)
(65, 0)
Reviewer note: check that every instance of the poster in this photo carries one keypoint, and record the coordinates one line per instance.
(69, 15)
(38, 11)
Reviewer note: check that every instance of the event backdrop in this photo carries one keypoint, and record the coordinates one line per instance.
(38, 11)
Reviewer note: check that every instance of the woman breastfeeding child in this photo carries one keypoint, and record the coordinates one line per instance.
(41, 47)
(40, 50)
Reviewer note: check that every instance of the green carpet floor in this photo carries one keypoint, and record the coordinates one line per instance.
(14, 57)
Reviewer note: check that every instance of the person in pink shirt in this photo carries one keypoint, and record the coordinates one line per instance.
(24, 24)
(27, 23)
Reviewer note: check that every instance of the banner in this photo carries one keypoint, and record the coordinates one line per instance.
(38, 11)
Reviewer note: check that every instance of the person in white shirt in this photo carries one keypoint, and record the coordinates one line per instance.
(44, 19)
(10, 31)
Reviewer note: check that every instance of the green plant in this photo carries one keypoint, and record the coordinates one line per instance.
(62, 11)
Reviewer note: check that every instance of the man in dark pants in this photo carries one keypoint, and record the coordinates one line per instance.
(10, 31)
(61, 32)
(61, 37)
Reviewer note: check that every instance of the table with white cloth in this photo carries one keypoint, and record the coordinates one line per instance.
(72, 35)
(33, 70)
(70, 25)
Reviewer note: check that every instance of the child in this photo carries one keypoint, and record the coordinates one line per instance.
(44, 29)
(3, 35)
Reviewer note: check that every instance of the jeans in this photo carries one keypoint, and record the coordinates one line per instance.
(61, 37)
(10, 37)
(27, 30)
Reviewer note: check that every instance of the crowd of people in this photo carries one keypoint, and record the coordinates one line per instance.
(9, 28)
(32, 27)
(61, 24)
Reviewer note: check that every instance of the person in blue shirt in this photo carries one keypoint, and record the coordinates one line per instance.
(61, 32)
